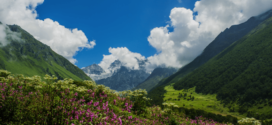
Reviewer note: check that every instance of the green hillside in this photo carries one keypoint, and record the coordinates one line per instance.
(155, 77)
(191, 100)
(240, 75)
(28, 56)
(220, 43)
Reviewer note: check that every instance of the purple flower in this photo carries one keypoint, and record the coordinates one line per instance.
(114, 101)
(114, 116)
(120, 121)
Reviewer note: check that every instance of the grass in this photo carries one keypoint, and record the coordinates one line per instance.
(207, 102)
(29, 100)
(30, 67)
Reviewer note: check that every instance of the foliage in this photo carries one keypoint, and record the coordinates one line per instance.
(29, 100)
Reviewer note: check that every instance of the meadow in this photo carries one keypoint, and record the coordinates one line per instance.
(190, 99)
(29, 100)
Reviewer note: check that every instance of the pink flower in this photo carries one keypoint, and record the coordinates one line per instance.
(120, 121)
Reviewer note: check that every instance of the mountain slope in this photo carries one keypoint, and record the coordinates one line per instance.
(124, 79)
(26, 55)
(242, 71)
(154, 78)
(222, 41)
(93, 69)
(240, 74)
(95, 72)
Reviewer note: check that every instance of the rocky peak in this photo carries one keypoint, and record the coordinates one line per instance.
(93, 69)
(264, 15)
(115, 66)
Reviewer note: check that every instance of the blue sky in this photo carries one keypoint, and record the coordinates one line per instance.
(118, 23)
(164, 32)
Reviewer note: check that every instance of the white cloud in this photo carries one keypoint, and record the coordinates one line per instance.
(63, 41)
(6, 35)
(190, 36)
(3, 41)
(127, 57)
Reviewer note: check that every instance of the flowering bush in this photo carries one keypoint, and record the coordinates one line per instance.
(249, 121)
(28, 100)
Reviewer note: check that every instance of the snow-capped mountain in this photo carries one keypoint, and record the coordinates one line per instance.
(95, 72)
(115, 66)
(125, 78)
(93, 69)
(120, 77)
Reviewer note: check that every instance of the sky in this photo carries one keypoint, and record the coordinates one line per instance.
(165, 32)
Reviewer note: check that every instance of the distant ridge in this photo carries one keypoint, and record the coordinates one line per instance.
(154, 78)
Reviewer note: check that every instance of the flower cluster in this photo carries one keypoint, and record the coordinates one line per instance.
(249, 121)
(29, 100)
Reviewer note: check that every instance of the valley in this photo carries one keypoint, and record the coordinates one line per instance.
(226, 84)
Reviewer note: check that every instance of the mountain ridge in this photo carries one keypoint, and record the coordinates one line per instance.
(31, 57)
(153, 79)
(124, 78)
(223, 40)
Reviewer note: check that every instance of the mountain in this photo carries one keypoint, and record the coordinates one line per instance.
(21, 53)
(124, 78)
(221, 42)
(154, 78)
(241, 74)
(116, 65)
(95, 72)
(93, 69)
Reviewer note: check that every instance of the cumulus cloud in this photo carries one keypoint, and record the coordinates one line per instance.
(127, 57)
(191, 35)
(3, 41)
(63, 41)
(6, 35)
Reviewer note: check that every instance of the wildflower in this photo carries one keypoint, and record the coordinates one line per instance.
(120, 121)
